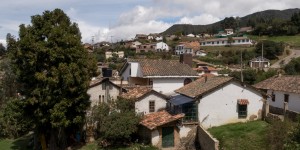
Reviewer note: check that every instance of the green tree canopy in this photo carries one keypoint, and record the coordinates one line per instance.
(271, 49)
(54, 70)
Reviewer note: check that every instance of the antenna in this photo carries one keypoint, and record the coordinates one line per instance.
(111, 41)
(93, 42)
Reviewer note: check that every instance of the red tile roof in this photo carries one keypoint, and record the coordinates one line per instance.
(153, 120)
(281, 83)
(243, 101)
(203, 85)
(159, 67)
(136, 92)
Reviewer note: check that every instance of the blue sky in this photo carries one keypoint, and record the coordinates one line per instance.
(122, 19)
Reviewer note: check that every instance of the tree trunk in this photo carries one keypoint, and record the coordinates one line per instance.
(58, 140)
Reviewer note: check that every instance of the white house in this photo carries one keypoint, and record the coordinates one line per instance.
(162, 47)
(229, 31)
(109, 54)
(187, 48)
(226, 41)
(259, 62)
(206, 70)
(103, 90)
(200, 53)
(281, 89)
(146, 100)
(215, 101)
(163, 76)
(135, 44)
(190, 35)
(159, 38)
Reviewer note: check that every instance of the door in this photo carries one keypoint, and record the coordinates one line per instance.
(168, 137)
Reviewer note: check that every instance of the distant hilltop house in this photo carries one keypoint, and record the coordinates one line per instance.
(229, 31)
(141, 37)
(190, 35)
(155, 36)
(163, 76)
(283, 91)
(145, 48)
(226, 41)
(133, 44)
(109, 54)
(101, 44)
(200, 53)
(259, 62)
(187, 48)
(88, 47)
(162, 47)
(245, 30)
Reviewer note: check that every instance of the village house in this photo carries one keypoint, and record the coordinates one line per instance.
(259, 62)
(226, 41)
(145, 48)
(109, 54)
(141, 37)
(190, 35)
(282, 89)
(200, 53)
(101, 44)
(103, 90)
(134, 44)
(163, 76)
(162, 47)
(215, 101)
(146, 99)
(229, 31)
(187, 48)
(160, 129)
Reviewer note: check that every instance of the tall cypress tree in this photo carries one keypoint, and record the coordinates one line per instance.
(54, 71)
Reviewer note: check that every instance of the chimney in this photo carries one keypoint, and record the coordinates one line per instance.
(186, 59)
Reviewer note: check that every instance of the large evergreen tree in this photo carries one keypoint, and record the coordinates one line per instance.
(54, 71)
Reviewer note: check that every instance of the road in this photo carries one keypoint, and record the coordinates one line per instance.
(294, 54)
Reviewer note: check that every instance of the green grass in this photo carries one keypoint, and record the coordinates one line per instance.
(241, 136)
(291, 40)
(93, 146)
(14, 144)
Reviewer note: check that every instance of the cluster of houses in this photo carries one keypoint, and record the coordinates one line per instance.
(173, 97)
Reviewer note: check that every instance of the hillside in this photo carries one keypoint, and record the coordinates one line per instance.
(196, 29)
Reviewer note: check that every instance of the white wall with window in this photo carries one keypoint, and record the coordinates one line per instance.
(277, 99)
(150, 103)
(222, 107)
(102, 93)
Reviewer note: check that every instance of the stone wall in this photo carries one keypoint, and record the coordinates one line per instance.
(207, 142)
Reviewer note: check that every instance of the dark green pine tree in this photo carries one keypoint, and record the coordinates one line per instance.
(54, 71)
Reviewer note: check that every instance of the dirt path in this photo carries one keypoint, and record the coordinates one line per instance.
(294, 54)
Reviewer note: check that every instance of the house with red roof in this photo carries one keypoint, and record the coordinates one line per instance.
(164, 76)
(215, 101)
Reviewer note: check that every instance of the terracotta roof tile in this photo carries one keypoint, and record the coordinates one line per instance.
(202, 86)
(281, 83)
(158, 67)
(136, 93)
(243, 101)
(153, 120)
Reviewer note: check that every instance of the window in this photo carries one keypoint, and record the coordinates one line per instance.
(243, 41)
(286, 98)
(239, 41)
(242, 110)
(102, 98)
(151, 106)
(99, 100)
(218, 42)
(273, 97)
(212, 42)
(222, 42)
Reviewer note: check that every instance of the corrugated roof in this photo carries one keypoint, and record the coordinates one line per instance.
(202, 86)
(281, 83)
(153, 120)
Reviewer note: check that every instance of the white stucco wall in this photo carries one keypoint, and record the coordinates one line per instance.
(133, 70)
(95, 91)
(167, 85)
(155, 137)
(142, 106)
(293, 104)
(162, 46)
(220, 107)
(184, 130)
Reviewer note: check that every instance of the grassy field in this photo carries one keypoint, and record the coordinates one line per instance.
(241, 136)
(291, 40)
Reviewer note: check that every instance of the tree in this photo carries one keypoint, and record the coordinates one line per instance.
(54, 71)
(271, 49)
(2, 49)
(293, 67)
(117, 121)
(230, 40)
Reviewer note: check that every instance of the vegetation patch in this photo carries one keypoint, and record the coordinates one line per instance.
(246, 136)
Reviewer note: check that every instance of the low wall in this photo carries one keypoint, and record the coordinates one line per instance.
(207, 142)
(279, 111)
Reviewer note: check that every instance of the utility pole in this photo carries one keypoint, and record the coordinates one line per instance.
(262, 55)
(111, 41)
(242, 77)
